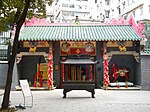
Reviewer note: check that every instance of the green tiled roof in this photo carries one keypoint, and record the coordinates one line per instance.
(79, 33)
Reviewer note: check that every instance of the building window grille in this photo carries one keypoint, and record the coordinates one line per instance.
(4, 46)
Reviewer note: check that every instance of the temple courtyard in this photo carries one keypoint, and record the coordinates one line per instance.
(81, 101)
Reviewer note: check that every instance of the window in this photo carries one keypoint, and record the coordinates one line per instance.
(119, 11)
(133, 13)
(80, 7)
(71, 6)
(133, 1)
(112, 12)
(148, 27)
(107, 2)
(141, 11)
(4, 47)
(64, 5)
(128, 2)
(100, 4)
(86, 6)
(107, 14)
(124, 5)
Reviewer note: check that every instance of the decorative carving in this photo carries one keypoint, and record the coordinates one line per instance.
(19, 56)
(138, 28)
(122, 46)
(89, 47)
(65, 46)
(32, 49)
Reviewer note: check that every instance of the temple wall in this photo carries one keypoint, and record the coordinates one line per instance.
(3, 74)
(145, 72)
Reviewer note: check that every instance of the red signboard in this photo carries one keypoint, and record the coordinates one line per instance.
(79, 48)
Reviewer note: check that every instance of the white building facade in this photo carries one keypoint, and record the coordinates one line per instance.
(66, 10)
(103, 10)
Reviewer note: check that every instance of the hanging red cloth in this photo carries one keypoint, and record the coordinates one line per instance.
(50, 69)
(37, 77)
(106, 69)
(114, 68)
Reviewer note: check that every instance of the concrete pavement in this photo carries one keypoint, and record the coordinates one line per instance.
(80, 101)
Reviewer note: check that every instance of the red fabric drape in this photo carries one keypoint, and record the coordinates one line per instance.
(50, 69)
(106, 69)
(36, 78)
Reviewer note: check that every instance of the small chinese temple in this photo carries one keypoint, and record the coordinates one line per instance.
(91, 55)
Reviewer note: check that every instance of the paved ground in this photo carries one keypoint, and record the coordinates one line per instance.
(81, 101)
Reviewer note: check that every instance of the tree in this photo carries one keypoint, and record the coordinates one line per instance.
(13, 14)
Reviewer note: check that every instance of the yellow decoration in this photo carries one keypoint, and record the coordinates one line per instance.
(44, 70)
(32, 49)
(78, 51)
(122, 48)
(77, 23)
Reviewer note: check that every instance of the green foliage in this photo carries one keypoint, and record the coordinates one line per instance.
(11, 11)
(3, 24)
(7, 41)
